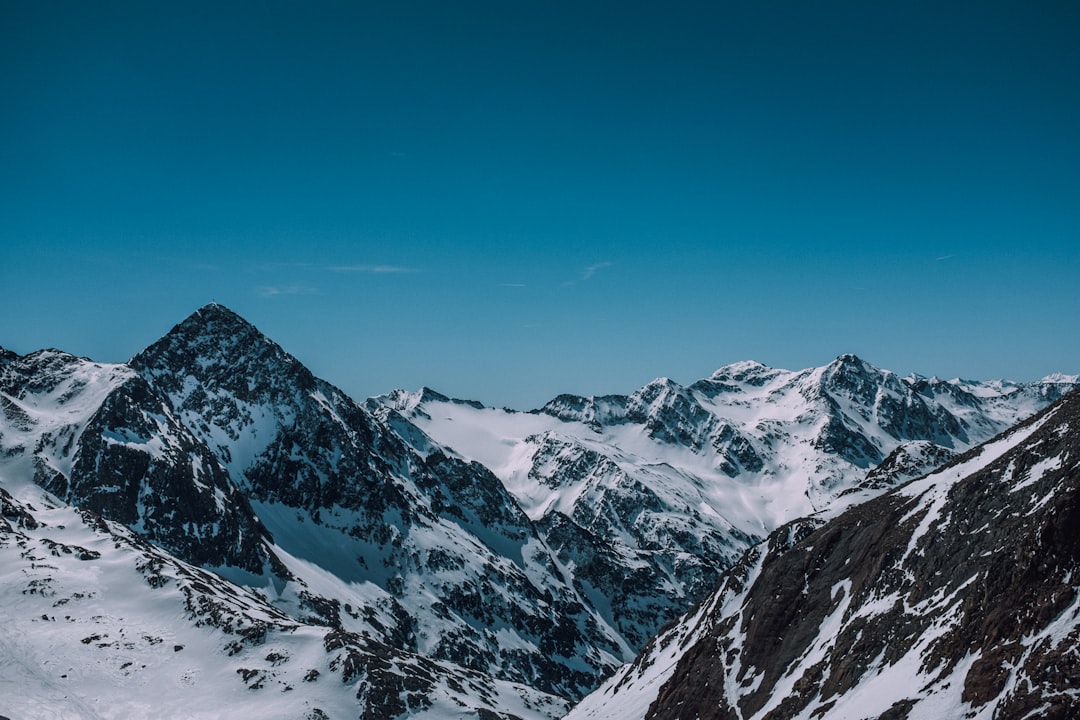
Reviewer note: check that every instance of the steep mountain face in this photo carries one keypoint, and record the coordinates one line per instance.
(955, 595)
(427, 552)
(647, 498)
(98, 437)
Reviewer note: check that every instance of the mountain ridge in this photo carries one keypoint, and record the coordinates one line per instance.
(686, 478)
(423, 540)
(902, 606)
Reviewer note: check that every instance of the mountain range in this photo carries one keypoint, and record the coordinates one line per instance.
(649, 497)
(211, 521)
(952, 596)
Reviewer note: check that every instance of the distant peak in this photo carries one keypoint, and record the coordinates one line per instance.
(746, 372)
(849, 359)
(427, 394)
(743, 367)
(849, 363)
(405, 401)
(661, 385)
(216, 319)
(213, 310)
(49, 353)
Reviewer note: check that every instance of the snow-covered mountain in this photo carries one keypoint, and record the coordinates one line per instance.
(955, 595)
(221, 448)
(422, 556)
(647, 498)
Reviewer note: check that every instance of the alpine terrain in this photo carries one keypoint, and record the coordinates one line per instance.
(647, 498)
(209, 529)
(953, 596)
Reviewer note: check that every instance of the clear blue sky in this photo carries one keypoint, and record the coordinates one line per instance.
(509, 200)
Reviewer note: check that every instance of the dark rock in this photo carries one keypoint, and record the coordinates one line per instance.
(1000, 559)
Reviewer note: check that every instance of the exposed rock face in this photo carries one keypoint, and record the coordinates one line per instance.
(595, 412)
(907, 462)
(954, 595)
(98, 437)
(136, 464)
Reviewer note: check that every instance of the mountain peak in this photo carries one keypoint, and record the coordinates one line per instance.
(660, 384)
(219, 349)
(847, 367)
(849, 360)
(215, 316)
(212, 309)
(211, 331)
(746, 372)
(742, 367)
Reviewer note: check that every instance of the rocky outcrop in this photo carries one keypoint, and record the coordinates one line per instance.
(97, 436)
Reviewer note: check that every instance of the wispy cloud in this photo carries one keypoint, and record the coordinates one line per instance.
(592, 269)
(267, 267)
(515, 285)
(373, 269)
(275, 290)
(944, 257)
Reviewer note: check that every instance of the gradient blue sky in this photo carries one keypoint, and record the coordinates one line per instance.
(509, 200)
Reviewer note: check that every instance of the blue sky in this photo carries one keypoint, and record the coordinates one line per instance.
(509, 200)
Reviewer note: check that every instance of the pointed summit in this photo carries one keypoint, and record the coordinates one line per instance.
(217, 310)
(851, 376)
(219, 349)
(850, 362)
(212, 324)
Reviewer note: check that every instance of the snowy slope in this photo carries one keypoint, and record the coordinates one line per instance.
(955, 595)
(100, 624)
(647, 497)
(47, 398)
